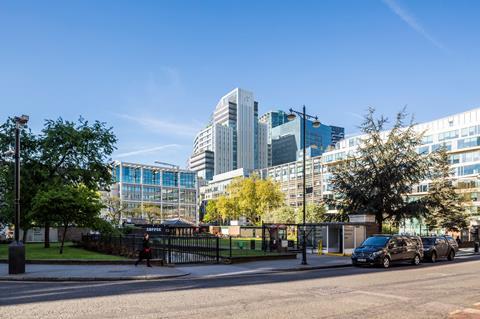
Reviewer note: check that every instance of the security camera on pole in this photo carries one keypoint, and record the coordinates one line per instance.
(16, 250)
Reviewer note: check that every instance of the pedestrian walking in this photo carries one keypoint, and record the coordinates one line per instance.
(146, 252)
(459, 241)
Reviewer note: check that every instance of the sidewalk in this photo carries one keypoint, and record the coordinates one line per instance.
(466, 252)
(314, 262)
(39, 272)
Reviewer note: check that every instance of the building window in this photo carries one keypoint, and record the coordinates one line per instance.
(170, 178)
(447, 135)
(187, 180)
(131, 175)
(468, 142)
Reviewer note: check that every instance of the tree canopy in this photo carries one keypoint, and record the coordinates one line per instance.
(386, 165)
(250, 197)
(446, 207)
(64, 154)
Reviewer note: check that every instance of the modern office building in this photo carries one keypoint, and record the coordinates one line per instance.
(459, 133)
(172, 189)
(287, 140)
(234, 136)
(290, 178)
(272, 119)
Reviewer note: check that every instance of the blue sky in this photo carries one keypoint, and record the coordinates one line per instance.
(154, 70)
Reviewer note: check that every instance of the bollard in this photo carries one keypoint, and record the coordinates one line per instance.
(477, 244)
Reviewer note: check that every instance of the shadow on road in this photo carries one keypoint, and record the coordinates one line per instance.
(15, 293)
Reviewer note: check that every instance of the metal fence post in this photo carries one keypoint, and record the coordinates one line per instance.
(169, 251)
(218, 249)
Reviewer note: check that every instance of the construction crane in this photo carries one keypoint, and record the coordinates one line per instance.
(168, 164)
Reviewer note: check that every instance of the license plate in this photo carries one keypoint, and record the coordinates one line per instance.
(362, 260)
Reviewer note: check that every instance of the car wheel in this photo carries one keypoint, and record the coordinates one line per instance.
(433, 259)
(451, 256)
(416, 260)
(386, 262)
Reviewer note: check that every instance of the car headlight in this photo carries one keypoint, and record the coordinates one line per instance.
(377, 253)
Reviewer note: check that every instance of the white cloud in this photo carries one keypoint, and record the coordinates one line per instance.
(164, 127)
(148, 150)
(413, 23)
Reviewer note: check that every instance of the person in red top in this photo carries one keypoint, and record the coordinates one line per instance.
(146, 252)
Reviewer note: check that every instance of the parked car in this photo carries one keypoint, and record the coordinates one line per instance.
(382, 250)
(436, 247)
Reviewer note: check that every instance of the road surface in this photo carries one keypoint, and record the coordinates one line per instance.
(403, 291)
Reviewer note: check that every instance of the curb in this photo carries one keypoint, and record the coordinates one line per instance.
(84, 279)
(156, 262)
(311, 268)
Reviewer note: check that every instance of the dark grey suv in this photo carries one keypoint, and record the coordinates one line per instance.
(439, 247)
(382, 250)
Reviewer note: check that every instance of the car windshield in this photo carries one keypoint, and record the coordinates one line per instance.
(379, 241)
(428, 241)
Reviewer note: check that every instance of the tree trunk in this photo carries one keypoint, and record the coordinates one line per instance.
(65, 227)
(47, 235)
(379, 225)
(24, 236)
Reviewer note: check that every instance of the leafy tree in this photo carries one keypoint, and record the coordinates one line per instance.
(75, 153)
(69, 205)
(446, 208)
(249, 197)
(281, 215)
(377, 178)
(115, 208)
(212, 213)
(31, 179)
(313, 214)
(65, 153)
(152, 212)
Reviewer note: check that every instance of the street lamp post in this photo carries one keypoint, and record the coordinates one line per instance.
(16, 250)
(315, 124)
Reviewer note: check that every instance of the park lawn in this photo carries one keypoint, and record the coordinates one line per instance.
(36, 251)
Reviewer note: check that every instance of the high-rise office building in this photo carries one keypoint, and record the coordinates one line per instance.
(287, 140)
(234, 136)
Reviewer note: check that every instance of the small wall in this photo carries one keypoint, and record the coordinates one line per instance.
(73, 233)
(37, 235)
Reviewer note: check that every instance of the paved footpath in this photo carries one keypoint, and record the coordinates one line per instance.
(91, 273)
(441, 290)
(42, 272)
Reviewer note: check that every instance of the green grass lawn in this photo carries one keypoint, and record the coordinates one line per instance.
(36, 251)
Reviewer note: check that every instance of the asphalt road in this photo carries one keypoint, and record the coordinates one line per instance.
(403, 291)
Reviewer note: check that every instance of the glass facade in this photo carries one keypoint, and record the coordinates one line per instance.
(174, 191)
(187, 179)
(169, 178)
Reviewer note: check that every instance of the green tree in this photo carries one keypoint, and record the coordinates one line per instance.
(65, 153)
(386, 165)
(281, 215)
(212, 214)
(250, 197)
(151, 212)
(115, 208)
(30, 174)
(446, 208)
(74, 154)
(69, 205)
(314, 214)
